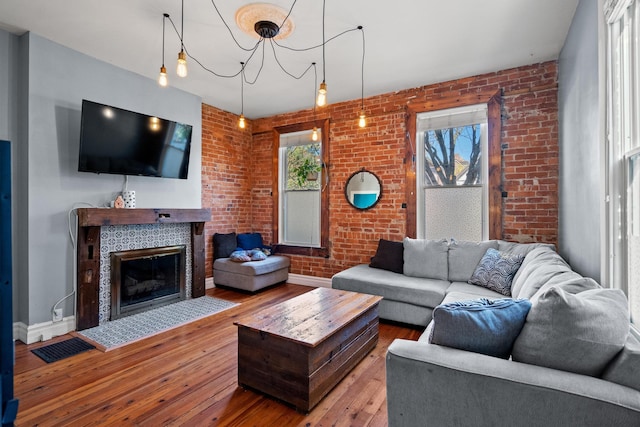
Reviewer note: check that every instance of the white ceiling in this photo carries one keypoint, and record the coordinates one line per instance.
(409, 43)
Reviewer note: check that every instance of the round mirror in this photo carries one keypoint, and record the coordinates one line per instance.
(363, 189)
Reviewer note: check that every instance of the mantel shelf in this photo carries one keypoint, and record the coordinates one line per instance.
(91, 217)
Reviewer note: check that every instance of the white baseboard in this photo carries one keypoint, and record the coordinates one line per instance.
(301, 279)
(47, 330)
(43, 331)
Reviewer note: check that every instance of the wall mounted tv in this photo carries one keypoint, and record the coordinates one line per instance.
(117, 141)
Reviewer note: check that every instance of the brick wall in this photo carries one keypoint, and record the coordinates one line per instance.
(226, 179)
(530, 165)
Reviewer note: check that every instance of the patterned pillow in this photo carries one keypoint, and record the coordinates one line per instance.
(257, 255)
(239, 256)
(495, 271)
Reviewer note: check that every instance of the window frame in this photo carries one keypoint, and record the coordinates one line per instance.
(493, 101)
(623, 133)
(324, 250)
(421, 186)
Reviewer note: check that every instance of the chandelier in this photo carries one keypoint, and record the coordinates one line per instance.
(261, 21)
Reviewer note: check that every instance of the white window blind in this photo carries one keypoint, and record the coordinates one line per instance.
(453, 117)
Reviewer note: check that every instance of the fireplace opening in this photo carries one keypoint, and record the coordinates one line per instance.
(142, 279)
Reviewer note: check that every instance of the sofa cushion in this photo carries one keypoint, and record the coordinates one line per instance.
(521, 248)
(464, 256)
(483, 326)
(471, 291)
(578, 333)
(538, 267)
(391, 286)
(623, 369)
(568, 281)
(495, 271)
(389, 256)
(250, 241)
(224, 245)
(426, 258)
(271, 264)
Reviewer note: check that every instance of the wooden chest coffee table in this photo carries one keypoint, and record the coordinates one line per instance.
(298, 350)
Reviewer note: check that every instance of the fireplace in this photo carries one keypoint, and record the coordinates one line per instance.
(142, 279)
(102, 231)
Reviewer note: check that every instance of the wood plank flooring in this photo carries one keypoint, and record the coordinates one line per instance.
(188, 376)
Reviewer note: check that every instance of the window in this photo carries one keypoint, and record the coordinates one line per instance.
(623, 127)
(301, 208)
(449, 171)
(452, 196)
(300, 178)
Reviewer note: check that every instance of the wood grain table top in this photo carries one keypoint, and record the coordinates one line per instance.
(311, 317)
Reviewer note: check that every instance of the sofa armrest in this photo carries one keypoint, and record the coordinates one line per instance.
(431, 385)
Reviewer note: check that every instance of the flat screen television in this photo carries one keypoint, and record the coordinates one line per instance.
(117, 141)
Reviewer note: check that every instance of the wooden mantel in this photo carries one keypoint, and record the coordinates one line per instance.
(89, 222)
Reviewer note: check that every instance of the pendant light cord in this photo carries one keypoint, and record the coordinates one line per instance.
(164, 20)
(324, 74)
(362, 69)
(242, 88)
(182, 28)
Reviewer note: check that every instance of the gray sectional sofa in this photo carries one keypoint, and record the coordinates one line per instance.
(574, 363)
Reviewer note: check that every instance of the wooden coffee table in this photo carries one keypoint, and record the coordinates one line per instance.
(298, 350)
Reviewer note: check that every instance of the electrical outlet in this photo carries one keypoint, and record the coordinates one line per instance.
(57, 315)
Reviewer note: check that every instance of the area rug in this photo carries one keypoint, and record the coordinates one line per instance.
(61, 350)
(132, 328)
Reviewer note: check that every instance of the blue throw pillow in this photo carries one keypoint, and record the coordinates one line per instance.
(249, 241)
(483, 326)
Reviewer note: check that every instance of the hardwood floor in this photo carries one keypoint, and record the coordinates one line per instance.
(188, 376)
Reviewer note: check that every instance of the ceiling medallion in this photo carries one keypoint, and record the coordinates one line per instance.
(262, 20)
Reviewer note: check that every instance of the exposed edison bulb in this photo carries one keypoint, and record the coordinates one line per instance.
(314, 134)
(241, 123)
(162, 78)
(181, 70)
(322, 95)
(362, 122)
(154, 123)
(108, 112)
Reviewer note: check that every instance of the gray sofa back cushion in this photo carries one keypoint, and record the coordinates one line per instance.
(578, 333)
(568, 281)
(624, 368)
(426, 258)
(521, 248)
(538, 267)
(464, 256)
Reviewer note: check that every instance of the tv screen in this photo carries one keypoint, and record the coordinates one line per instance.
(117, 141)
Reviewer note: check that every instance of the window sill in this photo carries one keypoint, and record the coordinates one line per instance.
(301, 250)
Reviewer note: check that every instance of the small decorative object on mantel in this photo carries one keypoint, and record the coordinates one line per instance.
(129, 198)
(118, 203)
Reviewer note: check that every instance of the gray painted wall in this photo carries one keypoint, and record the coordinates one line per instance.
(53, 81)
(581, 144)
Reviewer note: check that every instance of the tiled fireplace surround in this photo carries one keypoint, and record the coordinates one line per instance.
(102, 231)
(116, 238)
